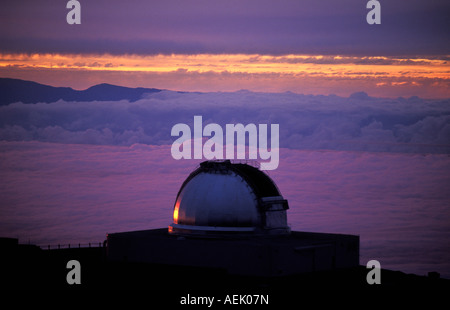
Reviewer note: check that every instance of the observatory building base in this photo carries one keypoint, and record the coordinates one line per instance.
(295, 253)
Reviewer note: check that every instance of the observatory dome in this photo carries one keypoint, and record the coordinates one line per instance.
(221, 198)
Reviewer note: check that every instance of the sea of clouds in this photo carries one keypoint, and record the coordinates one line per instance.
(71, 172)
(358, 122)
(53, 193)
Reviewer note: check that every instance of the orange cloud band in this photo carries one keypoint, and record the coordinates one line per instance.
(273, 73)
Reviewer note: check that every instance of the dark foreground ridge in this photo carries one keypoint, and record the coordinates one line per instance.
(30, 267)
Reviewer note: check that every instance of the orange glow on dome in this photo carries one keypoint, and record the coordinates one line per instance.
(175, 212)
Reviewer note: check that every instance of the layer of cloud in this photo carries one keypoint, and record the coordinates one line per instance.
(65, 193)
(359, 122)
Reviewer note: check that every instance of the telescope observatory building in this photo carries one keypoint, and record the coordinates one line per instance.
(232, 217)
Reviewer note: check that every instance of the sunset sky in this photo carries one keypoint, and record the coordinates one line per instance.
(363, 113)
(303, 46)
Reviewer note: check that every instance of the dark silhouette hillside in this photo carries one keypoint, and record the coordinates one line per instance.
(14, 90)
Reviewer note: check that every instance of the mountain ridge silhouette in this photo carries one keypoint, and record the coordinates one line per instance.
(16, 90)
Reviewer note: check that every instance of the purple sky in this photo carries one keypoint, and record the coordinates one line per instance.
(204, 26)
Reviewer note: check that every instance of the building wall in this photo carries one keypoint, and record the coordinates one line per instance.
(296, 253)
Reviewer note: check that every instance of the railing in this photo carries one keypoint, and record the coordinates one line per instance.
(74, 246)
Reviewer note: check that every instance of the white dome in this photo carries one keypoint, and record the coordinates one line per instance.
(213, 199)
(220, 197)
